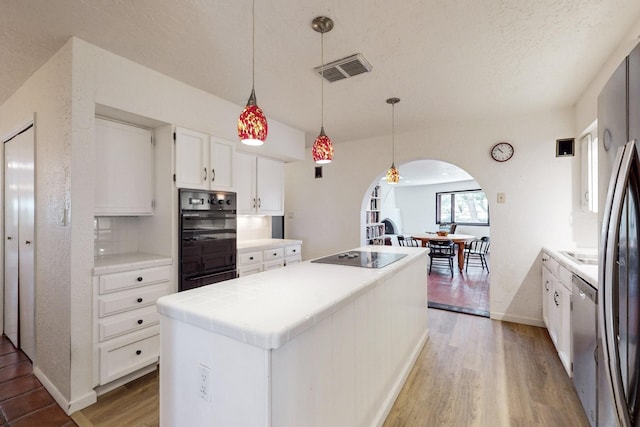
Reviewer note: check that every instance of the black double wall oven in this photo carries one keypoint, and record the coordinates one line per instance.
(207, 237)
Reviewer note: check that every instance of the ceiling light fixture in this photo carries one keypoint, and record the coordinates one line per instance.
(322, 149)
(393, 174)
(252, 123)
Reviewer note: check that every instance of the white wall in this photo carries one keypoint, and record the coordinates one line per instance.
(326, 213)
(48, 94)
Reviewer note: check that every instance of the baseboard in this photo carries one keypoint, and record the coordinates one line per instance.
(399, 383)
(517, 319)
(67, 406)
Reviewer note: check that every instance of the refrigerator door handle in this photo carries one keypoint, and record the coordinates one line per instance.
(625, 159)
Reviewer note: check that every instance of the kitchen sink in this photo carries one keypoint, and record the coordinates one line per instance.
(581, 257)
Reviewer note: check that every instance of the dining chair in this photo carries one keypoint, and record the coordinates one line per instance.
(442, 250)
(475, 253)
(408, 241)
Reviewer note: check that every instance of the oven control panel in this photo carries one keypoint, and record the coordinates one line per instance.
(194, 200)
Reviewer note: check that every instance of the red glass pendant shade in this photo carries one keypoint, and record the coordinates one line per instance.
(252, 123)
(322, 149)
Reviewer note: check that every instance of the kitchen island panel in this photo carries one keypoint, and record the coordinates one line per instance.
(238, 379)
(341, 364)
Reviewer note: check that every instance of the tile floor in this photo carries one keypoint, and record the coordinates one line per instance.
(23, 400)
(465, 292)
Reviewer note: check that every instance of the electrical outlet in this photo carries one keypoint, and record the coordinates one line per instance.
(501, 197)
(204, 382)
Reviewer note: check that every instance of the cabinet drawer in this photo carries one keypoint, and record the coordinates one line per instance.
(270, 265)
(130, 299)
(122, 356)
(272, 254)
(126, 322)
(129, 279)
(292, 260)
(292, 250)
(250, 269)
(249, 258)
(550, 263)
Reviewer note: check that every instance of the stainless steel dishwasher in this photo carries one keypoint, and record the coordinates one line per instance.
(584, 324)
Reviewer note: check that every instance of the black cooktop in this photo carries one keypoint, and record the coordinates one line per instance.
(361, 259)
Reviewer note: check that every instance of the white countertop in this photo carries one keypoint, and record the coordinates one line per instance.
(106, 264)
(271, 308)
(585, 271)
(263, 244)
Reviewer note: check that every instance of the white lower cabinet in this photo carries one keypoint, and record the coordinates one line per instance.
(126, 322)
(265, 257)
(556, 307)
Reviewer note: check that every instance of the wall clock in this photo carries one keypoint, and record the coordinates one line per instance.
(502, 151)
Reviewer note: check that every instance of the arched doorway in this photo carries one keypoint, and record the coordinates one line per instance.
(415, 206)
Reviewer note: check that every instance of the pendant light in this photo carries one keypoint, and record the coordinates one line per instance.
(252, 123)
(393, 174)
(322, 149)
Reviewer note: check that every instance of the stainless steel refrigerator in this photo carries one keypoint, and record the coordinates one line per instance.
(619, 270)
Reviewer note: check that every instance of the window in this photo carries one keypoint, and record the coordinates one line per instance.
(469, 207)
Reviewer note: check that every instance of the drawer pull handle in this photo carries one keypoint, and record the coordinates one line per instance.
(139, 279)
(139, 300)
(294, 251)
(251, 258)
(140, 321)
(275, 254)
(138, 352)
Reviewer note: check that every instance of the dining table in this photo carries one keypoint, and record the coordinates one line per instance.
(458, 239)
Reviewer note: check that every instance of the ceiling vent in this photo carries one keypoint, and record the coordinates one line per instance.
(344, 68)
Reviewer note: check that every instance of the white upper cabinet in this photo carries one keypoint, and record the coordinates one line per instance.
(203, 162)
(260, 185)
(124, 170)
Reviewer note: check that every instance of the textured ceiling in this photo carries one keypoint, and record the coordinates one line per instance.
(446, 60)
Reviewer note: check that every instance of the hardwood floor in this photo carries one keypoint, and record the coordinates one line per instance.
(23, 400)
(133, 405)
(472, 371)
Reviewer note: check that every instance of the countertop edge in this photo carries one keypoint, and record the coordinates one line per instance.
(127, 262)
(587, 272)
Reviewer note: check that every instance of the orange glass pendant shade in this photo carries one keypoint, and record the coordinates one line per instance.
(252, 123)
(322, 149)
(393, 175)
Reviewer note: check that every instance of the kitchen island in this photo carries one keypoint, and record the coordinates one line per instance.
(308, 344)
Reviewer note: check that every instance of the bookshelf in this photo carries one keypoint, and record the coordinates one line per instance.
(374, 228)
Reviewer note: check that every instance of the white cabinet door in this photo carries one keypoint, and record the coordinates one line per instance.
(270, 186)
(564, 326)
(245, 181)
(259, 184)
(547, 295)
(221, 161)
(589, 173)
(192, 150)
(124, 169)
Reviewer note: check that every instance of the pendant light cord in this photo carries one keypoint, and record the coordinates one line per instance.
(322, 79)
(393, 134)
(253, 45)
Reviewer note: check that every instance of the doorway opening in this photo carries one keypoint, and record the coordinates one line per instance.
(410, 208)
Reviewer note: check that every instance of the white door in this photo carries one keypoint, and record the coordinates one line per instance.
(270, 185)
(245, 182)
(19, 241)
(221, 161)
(192, 150)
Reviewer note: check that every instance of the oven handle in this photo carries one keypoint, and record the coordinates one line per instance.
(209, 275)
